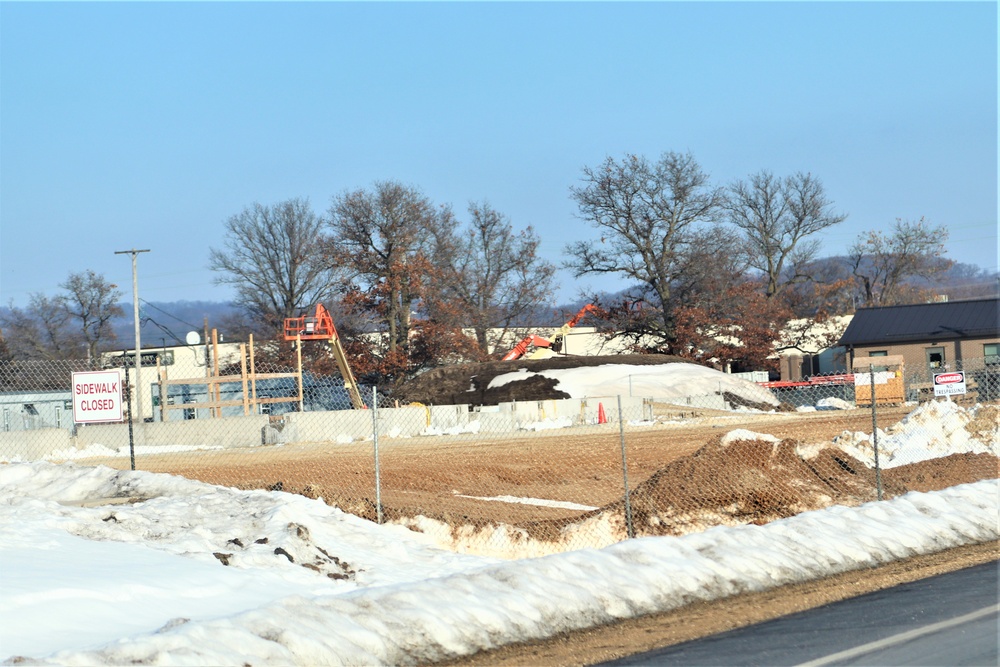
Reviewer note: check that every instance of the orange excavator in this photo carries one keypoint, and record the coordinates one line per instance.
(556, 343)
(320, 327)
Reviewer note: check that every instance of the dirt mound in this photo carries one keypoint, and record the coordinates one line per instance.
(943, 472)
(746, 481)
(755, 482)
(985, 424)
(468, 383)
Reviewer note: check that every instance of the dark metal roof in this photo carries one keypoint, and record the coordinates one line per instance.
(949, 320)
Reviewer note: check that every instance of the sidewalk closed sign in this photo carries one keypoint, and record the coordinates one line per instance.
(949, 384)
(97, 397)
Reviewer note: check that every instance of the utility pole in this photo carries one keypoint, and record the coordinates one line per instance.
(138, 345)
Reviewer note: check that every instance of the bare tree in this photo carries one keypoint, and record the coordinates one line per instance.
(776, 217)
(39, 331)
(92, 302)
(5, 353)
(648, 215)
(488, 275)
(74, 325)
(882, 263)
(384, 238)
(274, 258)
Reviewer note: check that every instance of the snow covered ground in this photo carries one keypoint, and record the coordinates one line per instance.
(180, 572)
(668, 382)
(932, 430)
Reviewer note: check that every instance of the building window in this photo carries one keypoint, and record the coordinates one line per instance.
(992, 353)
(935, 359)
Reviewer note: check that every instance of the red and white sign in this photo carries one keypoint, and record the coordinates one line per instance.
(97, 397)
(949, 384)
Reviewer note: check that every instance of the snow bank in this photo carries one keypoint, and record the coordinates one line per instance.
(485, 607)
(933, 430)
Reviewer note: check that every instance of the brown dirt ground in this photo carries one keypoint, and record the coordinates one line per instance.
(682, 478)
(672, 470)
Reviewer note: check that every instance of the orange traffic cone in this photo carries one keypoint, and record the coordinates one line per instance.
(601, 417)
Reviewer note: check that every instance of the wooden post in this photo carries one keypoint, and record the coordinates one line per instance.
(298, 356)
(161, 373)
(214, 390)
(243, 376)
(208, 366)
(253, 379)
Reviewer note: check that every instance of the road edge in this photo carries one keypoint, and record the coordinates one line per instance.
(700, 619)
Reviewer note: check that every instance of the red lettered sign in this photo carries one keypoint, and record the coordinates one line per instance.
(949, 384)
(97, 397)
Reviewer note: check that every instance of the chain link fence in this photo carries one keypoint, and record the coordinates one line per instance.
(526, 478)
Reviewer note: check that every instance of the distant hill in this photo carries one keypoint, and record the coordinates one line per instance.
(168, 322)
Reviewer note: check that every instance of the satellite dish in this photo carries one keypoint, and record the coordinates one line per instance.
(192, 338)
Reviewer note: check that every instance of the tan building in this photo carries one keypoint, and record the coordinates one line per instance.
(932, 338)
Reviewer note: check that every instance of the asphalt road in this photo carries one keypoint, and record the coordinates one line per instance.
(951, 619)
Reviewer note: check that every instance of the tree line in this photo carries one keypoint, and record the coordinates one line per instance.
(716, 270)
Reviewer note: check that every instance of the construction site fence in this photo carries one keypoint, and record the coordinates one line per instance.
(533, 477)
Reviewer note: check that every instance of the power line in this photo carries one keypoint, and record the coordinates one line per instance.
(193, 326)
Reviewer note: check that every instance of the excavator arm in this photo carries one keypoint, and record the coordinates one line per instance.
(522, 346)
(555, 344)
(557, 340)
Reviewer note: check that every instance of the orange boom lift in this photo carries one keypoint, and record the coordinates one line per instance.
(320, 327)
(557, 341)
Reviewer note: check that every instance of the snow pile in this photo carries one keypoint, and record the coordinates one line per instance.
(189, 573)
(828, 403)
(546, 424)
(472, 427)
(103, 451)
(668, 382)
(933, 430)
(834, 403)
(539, 502)
(745, 434)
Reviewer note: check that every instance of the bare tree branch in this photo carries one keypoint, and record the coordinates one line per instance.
(648, 215)
(274, 258)
(488, 275)
(92, 302)
(881, 263)
(775, 217)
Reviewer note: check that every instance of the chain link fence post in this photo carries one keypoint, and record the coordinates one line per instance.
(128, 405)
(628, 504)
(378, 471)
(878, 469)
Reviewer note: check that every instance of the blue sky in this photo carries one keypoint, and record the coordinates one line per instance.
(142, 125)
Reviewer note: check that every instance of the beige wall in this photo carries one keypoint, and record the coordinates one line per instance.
(965, 355)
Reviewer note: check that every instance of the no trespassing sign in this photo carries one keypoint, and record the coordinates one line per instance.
(949, 384)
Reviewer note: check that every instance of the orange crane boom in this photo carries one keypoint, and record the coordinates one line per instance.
(320, 327)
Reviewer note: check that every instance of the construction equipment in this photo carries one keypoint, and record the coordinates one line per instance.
(320, 327)
(556, 343)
